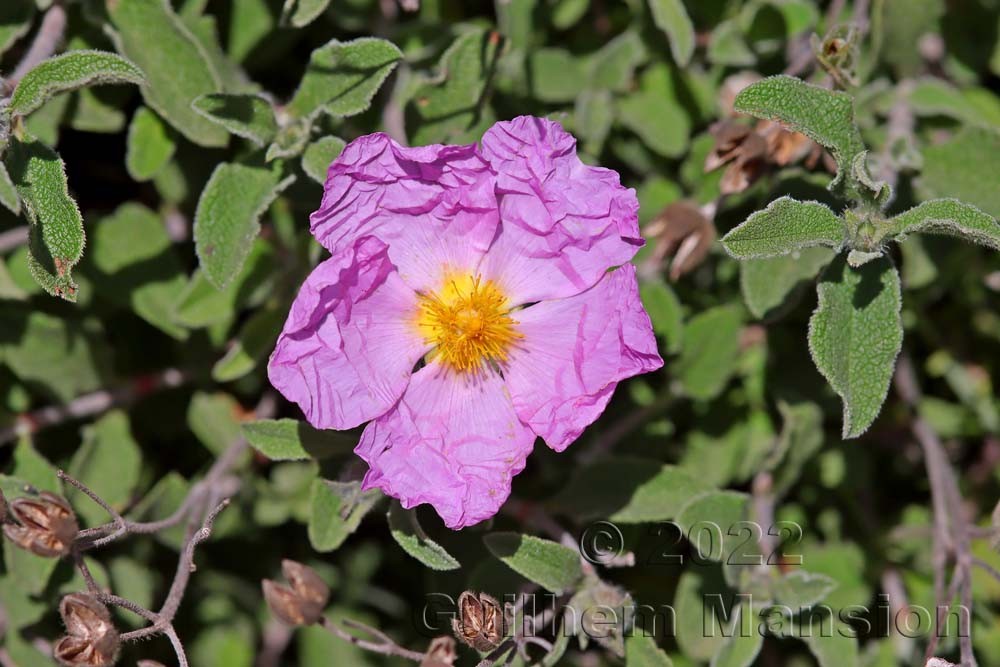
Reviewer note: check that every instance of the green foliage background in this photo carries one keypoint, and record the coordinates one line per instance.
(168, 189)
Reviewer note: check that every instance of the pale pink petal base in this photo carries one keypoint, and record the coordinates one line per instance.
(350, 343)
(453, 442)
(574, 353)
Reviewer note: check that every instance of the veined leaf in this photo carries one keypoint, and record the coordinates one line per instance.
(549, 564)
(950, 217)
(771, 283)
(247, 116)
(785, 226)
(336, 510)
(293, 440)
(70, 71)
(855, 336)
(319, 155)
(409, 535)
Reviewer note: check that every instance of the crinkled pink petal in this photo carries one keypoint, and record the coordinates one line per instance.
(574, 352)
(350, 343)
(453, 441)
(563, 223)
(434, 206)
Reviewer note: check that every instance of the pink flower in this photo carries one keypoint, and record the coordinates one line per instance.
(470, 305)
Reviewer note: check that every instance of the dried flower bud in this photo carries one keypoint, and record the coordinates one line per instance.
(732, 86)
(91, 640)
(301, 602)
(441, 653)
(481, 622)
(682, 231)
(45, 526)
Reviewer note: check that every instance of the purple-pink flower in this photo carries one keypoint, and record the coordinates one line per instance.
(471, 304)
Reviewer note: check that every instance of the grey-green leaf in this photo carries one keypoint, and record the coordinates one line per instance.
(151, 144)
(741, 649)
(408, 533)
(109, 461)
(950, 217)
(70, 71)
(228, 216)
(336, 510)
(855, 336)
(825, 116)
(711, 348)
(665, 313)
(8, 193)
(342, 77)
(768, 285)
(15, 21)
(642, 651)
(800, 589)
(57, 237)
(293, 440)
(177, 68)
(671, 17)
(785, 226)
(319, 155)
(247, 116)
(300, 13)
(549, 564)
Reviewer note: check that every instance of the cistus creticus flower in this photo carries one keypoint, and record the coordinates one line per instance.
(477, 297)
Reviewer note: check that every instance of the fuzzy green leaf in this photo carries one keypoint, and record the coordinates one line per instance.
(151, 144)
(771, 283)
(665, 313)
(228, 216)
(336, 510)
(785, 226)
(293, 440)
(8, 193)
(741, 649)
(318, 157)
(825, 116)
(654, 112)
(177, 68)
(671, 17)
(109, 462)
(712, 515)
(642, 651)
(855, 336)
(15, 21)
(247, 116)
(950, 217)
(342, 77)
(960, 167)
(252, 344)
(556, 75)
(57, 237)
(300, 13)
(613, 66)
(800, 589)
(711, 348)
(408, 533)
(70, 71)
(549, 564)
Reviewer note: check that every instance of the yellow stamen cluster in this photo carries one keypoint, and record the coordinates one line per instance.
(469, 323)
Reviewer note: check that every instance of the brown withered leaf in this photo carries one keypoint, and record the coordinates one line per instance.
(480, 622)
(44, 525)
(683, 232)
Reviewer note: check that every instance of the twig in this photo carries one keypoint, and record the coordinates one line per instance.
(383, 647)
(91, 404)
(986, 567)
(46, 41)
(498, 653)
(763, 508)
(13, 238)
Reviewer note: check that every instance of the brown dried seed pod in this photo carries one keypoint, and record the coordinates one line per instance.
(480, 622)
(302, 601)
(45, 526)
(683, 232)
(441, 653)
(92, 639)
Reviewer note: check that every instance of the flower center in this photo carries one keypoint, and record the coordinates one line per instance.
(468, 321)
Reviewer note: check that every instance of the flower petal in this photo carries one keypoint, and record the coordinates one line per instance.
(350, 343)
(453, 441)
(563, 223)
(433, 206)
(574, 353)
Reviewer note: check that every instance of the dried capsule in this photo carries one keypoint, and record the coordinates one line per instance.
(480, 622)
(44, 525)
(303, 600)
(441, 653)
(92, 639)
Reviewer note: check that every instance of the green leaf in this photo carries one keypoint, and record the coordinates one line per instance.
(785, 226)
(253, 342)
(320, 155)
(950, 217)
(769, 284)
(228, 216)
(202, 304)
(408, 533)
(8, 192)
(300, 13)
(109, 462)
(213, 419)
(712, 515)
(665, 312)
(642, 651)
(956, 168)
(247, 116)
(57, 237)
(593, 116)
(628, 490)
(800, 589)
(137, 266)
(655, 113)
(614, 65)
(447, 105)
(151, 144)
(162, 501)
(70, 71)
(825, 116)
(177, 68)
(856, 334)
(711, 348)
(549, 564)
(250, 21)
(336, 510)
(556, 75)
(290, 141)
(15, 21)
(838, 648)
(293, 440)
(342, 77)
(671, 17)
(741, 649)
